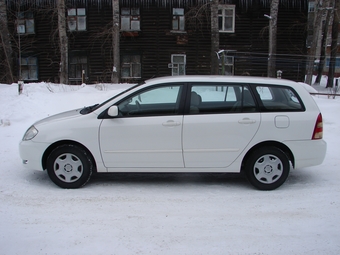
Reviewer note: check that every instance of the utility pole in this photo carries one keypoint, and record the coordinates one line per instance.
(215, 37)
(274, 9)
(115, 42)
(63, 42)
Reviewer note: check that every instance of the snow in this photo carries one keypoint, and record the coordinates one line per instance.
(159, 213)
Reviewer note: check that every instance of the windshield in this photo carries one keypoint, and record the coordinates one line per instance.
(92, 108)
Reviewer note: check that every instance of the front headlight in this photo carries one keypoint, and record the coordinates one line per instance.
(30, 133)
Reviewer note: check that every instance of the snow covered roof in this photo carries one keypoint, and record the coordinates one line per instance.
(164, 3)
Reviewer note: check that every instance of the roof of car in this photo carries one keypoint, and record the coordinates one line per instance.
(219, 78)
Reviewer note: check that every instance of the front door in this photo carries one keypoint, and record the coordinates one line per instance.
(148, 132)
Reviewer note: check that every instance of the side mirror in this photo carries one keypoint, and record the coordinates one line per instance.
(113, 111)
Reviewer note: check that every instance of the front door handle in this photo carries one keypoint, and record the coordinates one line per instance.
(171, 123)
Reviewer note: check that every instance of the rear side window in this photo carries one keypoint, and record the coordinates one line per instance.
(273, 98)
(213, 98)
(221, 98)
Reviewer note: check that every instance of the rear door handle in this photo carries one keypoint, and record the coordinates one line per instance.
(247, 121)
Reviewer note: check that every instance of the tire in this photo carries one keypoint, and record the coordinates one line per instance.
(69, 166)
(267, 168)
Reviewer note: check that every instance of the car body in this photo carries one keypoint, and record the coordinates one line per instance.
(261, 126)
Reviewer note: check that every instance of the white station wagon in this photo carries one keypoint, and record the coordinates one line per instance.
(203, 124)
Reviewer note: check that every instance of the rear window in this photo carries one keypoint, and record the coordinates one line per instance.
(273, 98)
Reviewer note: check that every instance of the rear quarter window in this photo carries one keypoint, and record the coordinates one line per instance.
(279, 98)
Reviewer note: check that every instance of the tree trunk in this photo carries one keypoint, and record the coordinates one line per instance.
(274, 9)
(63, 76)
(334, 45)
(312, 50)
(323, 48)
(6, 42)
(215, 37)
(115, 42)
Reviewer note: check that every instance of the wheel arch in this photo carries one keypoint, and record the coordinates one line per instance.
(58, 143)
(276, 144)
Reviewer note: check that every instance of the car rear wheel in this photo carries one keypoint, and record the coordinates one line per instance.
(69, 166)
(267, 168)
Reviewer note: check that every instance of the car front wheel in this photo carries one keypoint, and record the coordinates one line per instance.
(267, 168)
(69, 166)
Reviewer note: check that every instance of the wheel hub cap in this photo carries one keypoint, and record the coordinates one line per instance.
(68, 168)
(268, 169)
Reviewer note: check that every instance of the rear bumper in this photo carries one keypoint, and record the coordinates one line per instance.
(308, 153)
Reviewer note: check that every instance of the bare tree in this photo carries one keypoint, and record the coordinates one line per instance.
(6, 43)
(215, 37)
(274, 9)
(115, 42)
(63, 42)
(334, 44)
(323, 43)
(198, 16)
(312, 52)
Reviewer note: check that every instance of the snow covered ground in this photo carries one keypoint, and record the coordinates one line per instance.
(159, 213)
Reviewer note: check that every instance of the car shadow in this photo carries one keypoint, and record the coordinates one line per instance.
(169, 178)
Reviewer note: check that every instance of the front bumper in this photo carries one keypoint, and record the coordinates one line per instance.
(31, 154)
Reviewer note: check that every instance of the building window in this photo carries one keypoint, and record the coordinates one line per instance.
(25, 23)
(311, 6)
(130, 19)
(178, 20)
(76, 19)
(178, 62)
(29, 68)
(228, 67)
(131, 66)
(226, 18)
(77, 67)
(337, 62)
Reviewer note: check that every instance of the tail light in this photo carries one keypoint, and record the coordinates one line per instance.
(318, 130)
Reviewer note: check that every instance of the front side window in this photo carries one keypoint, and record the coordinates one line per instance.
(131, 66)
(25, 23)
(76, 19)
(226, 18)
(77, 67)
(29, 68)
(178, 19)
(178, 63)
(130, 19)
(153, 102)
(279, 99)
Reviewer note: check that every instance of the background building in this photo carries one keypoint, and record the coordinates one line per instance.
(156, 38)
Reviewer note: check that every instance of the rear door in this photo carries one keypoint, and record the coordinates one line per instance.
(222, 120)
